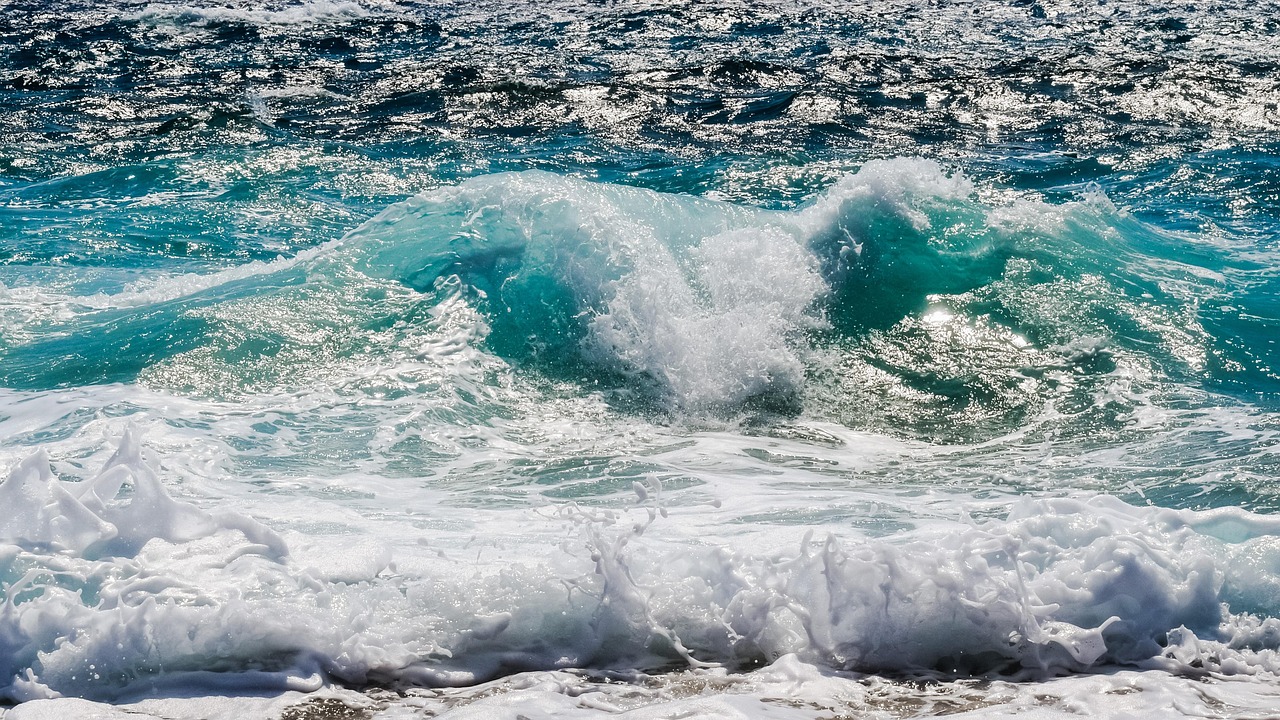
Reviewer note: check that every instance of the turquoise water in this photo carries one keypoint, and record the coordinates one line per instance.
(360, 283)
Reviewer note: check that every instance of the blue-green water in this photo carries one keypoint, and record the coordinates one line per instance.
(379, 277)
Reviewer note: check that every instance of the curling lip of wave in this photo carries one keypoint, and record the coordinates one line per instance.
(709, 302)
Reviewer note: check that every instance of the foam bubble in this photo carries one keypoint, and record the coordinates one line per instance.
(1057, 585)
(115, 513)
(312, 11)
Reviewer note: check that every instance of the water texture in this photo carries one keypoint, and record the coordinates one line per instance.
(714, 359)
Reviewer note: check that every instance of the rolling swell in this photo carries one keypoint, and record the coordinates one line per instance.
(977, 306)
(900, 270)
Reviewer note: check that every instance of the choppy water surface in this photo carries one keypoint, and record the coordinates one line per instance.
(877, 359)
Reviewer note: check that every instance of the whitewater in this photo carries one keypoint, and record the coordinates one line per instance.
(783, 360)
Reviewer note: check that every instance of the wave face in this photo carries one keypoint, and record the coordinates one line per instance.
(500, 333)
(699, 300)
(899, 285)
(701, 360)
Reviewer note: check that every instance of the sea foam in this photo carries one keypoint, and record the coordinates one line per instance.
(111, 595)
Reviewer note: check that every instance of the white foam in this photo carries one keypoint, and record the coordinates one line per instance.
(155, 290)
(24, 309)
(88, 519)
(1059, 585)
(312, 11)
(735, 342)
(900, 185)
(787, 689)
(705, 300)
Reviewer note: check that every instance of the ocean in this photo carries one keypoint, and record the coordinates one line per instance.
(590, 358)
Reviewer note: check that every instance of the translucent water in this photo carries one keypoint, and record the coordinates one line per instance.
(790, 359)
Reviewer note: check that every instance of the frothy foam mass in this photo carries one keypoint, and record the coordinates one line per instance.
(112, 586)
